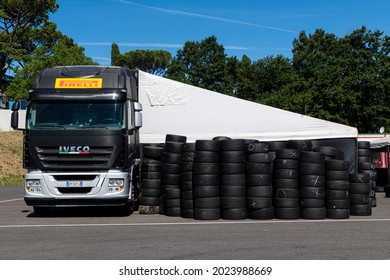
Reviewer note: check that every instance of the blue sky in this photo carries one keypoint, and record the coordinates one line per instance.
(257, 28)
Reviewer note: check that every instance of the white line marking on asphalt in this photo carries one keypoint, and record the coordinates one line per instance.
(198, 223)
(10, 200)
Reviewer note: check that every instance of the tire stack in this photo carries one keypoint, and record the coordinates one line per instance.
(286, 184)
(337, 189)
(259, 182)
(171, 174)
(151, 170)
(206, 188)
(312, 185)
(187, 200)
(273, 146)
(359, 188)
(365, 166)
(233, 179)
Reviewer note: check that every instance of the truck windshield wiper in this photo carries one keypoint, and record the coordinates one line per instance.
(48, 125)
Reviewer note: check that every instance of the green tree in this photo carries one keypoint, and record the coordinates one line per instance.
(115, 54)
(151, 61)
(64, 52)
(201, 64)
(24, 27)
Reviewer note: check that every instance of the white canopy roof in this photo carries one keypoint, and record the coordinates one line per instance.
(376, 140)
(171, 107)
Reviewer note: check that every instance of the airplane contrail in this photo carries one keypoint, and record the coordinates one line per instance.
(183, 13)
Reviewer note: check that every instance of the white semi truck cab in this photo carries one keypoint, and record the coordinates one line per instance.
(81, 140)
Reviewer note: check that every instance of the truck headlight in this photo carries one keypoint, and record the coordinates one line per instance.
(33, 186)
(116, 185)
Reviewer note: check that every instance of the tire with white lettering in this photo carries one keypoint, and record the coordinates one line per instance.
(301, 145)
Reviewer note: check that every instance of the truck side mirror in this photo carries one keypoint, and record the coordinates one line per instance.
(137, 115)
(15, 115)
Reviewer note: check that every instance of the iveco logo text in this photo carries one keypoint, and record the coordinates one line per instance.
(74, 150)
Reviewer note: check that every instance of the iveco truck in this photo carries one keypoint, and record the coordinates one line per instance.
(81, 138)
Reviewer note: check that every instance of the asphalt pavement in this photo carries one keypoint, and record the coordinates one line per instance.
(101, 234)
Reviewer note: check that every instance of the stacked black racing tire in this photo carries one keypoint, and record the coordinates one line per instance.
(187, 200)
(312, 185)
(151, 170)
(233, 179)
(206, 190)
(365, 165)
(259, 182)
(337, 189)
(171, 174)
(286, 184)
(359, 188)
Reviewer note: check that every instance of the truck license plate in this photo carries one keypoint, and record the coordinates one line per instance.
(74, 183)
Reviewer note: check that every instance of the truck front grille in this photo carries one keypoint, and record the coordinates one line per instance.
(98, 158)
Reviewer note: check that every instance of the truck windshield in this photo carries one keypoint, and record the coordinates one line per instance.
(76, 116)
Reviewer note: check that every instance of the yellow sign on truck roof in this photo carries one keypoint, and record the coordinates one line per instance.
(71, 83)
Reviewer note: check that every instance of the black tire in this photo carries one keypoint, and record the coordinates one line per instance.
(336, 195)
(189, 147)
(171, 158)
(359, 199)
(311, 157)
(257, 148)
(187, 203)
(233, 191)
(233, 180)
(312, 192)
(149, 201)
(259, 157)
(205, 180)
(234, 214)
(151, 184)
(336, 164)
(186, 195)
(233, 145)
(171, 179)
(312, 181)
(359, 178)
(337, 213)
(207, 202)
(286, 174)
(337, 204)
(232, 168)
(364, 153)
(152, 167)
(151, 175)
(206, 157)
(205, 168)
(365, 166)
(337, 175)
(337, 185)
(186, 176)
(172, 203)
(260, 191)
(313, 213)
(364, 145)
(258, 180)
(146, 161)
(150, 192)
(186, 186)
(207, 145)
(187, 213)
(258, 168)
(207, 213)
(311, 168)
(232, 157)
(172, 193)
(261, 214)
(187, 166)
(173, 211)
(312, 203)
(206, 191)
(170, 168)
(153, 152)
(173, 147)
(288, 213)
(328, 151)
(258, 202)
(361, 210)
(286, 193)
(187, 156)
(301, 145)
(233, 202)
(280, 163)
(220, 138)
(175, 138)
(363, 159)
(288, 154)
(285, 183)
(286, 202)
(277, 145)
(359, 188)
